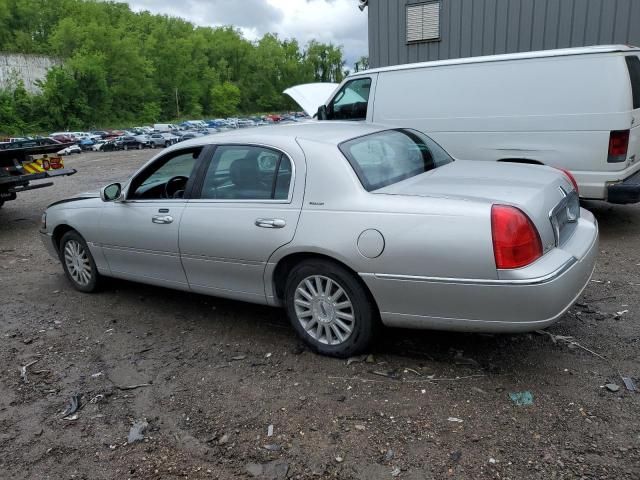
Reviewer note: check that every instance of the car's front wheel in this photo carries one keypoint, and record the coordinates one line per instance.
(330, 309)
(78, 263)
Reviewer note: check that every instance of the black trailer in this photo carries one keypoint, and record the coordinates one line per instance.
(27, 161)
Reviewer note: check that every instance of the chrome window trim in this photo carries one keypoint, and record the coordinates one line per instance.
(480, 281)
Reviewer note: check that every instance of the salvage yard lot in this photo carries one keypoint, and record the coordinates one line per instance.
(217, 373)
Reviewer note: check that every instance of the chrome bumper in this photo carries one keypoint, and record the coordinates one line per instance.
(518, 301)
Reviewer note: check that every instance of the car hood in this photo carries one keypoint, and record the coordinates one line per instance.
(77, 198)
(535, 189)
(311, 95)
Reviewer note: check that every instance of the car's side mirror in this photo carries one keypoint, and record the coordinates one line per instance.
(322, 112)
(111, 193)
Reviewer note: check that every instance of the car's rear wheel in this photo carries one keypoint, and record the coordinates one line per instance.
(78, 263)
(330, 308)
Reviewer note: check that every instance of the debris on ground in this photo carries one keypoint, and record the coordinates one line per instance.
(224, 439)
(136, 433)
(23, 370)
(389, 455)
(370, 359)
(238, 358)
(133, 387)
(98, 398)
(276, 470)
(522, 398)
(395, 472)
(455, 456)
(630, 384)
(454, 419)
(273, 447)
(73, 406)
(339, 459)
(270, 431)
(612, 387)
(393, 374)
(357, 359)
(569, 341)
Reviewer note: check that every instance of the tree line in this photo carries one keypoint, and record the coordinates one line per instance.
(121, 67)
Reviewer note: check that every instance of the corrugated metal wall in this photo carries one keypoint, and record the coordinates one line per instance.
(485, 27)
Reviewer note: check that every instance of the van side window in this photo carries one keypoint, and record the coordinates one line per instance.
(633, 64)
(350, 103)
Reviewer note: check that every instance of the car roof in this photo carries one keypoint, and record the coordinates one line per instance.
(330, 132)
(560, 52)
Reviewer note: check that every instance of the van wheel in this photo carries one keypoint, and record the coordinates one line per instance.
(330, 309)
(139, 146)
(126, 147)
(78, 263)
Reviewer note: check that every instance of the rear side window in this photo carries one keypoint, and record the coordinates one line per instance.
(243, 172)
(350, 103)
(633, 64)
(388, 157)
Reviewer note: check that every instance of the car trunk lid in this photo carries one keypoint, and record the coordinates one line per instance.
(545, 194)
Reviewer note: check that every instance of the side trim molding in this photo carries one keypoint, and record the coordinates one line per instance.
(478, 281)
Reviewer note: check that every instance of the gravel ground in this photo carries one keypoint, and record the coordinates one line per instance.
(217, 373)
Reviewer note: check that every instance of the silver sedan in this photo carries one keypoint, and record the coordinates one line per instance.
(347, 226)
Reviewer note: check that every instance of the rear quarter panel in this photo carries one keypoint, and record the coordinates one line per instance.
(422, 236)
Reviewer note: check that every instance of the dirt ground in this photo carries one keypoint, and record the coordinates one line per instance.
(218, 373)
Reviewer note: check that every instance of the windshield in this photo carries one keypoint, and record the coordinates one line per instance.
(388, 157)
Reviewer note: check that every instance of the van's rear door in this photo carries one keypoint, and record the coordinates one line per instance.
(633, 151)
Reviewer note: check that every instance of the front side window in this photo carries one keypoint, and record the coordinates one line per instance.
(242, 172)
(167, 177)
(388, 157)
(350, 103)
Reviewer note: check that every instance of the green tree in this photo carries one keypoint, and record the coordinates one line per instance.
(225, 99)
(118, 66)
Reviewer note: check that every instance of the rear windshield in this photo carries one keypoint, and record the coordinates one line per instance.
(388, 157)
(633, 64)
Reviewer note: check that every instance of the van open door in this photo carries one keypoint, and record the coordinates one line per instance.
(311, 96)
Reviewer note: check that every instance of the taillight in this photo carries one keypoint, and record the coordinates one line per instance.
(618, 146)
(516, 242)
(571, 178)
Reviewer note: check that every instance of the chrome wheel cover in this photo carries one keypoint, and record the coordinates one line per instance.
(76, 258)
(324, 310)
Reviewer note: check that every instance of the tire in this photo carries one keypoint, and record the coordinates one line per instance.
(316, 319)
(139, 146)
(126, 147)
(78, 263)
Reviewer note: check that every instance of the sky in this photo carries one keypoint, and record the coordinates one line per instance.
(336, 21)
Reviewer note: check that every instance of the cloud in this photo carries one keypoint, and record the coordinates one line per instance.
(336, 21)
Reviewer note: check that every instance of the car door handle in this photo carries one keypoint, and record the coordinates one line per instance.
(162, 219)
(270, 223)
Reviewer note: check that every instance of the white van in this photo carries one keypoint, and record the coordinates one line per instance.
(577, 109)
(165, 127)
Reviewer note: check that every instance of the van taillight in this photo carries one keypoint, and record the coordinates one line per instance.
(516, 242)
(618, 146)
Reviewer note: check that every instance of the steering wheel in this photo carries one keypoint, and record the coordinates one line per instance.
(175, 185)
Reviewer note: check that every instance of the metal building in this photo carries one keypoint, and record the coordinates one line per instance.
(406, 31)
